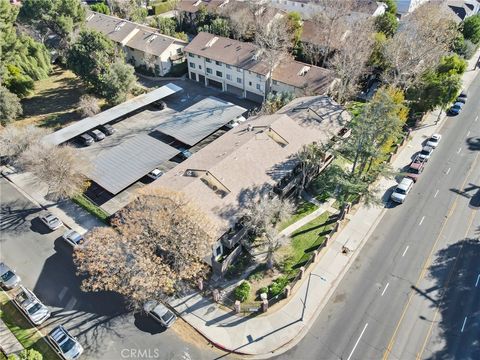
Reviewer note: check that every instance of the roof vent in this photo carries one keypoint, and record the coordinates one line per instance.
(90, 17)
(211, 42)
(119, 26)
(151, 38)
(303, 71)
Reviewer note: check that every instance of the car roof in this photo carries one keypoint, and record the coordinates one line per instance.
(427, 148)
(4, 268)
(405, 183)
(435, 136)
(160, 310)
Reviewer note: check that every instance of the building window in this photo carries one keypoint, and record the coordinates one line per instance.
(200, 67)
(258, 87)
(218, 63)
(259, 76)
(192, 65)
(219, 74)
(239, 70)
(209, 70)
(191, 55)
(208, 60)
(239, 80)
(275, 82)
(249, 83)
(179, 51)
(229, 77)
(228, 66)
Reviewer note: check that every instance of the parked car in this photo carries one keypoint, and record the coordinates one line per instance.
(8, 278)
(462, 97)
(235, 122)
(402, 190)
(160, 105)
(97, 134)
(31, 306)
(73, 238)
(416, 168)
(456, 108)
(86, 139)
(51, 221)
(426, 152)
(107, 129)
(160, 313)
(65, 344)
(155, 174)
(434, 140)
(184, 153)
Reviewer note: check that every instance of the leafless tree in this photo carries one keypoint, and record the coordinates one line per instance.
(311, 158)
(14, 140)
(261, 215)
(60, 167)
(157, 241)
(350, 61)
(240, 18)
(423, 37)
(313, 52)
(88, 106)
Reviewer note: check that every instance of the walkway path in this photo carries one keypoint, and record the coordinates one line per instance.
(8, 342)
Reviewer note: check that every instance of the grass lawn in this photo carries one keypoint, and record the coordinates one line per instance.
(303, 209)
(307, 239)
(26, 334)
(54, 101)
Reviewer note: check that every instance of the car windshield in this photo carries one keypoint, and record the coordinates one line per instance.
(413, 170)
(433, 140)
(425, 152)
(8, 275)
(51, 221)
(77, 239)
(400, 191)
(167, 316)
(34, 308)
(67, 345)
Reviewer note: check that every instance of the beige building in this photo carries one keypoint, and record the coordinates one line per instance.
(234, 66)
(143, 46)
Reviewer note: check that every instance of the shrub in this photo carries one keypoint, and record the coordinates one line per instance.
(242, 291)
(263, 290)
(91, 208)
(258, 273)
(278, 285)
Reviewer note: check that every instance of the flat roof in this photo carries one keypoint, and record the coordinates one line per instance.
(121, 166)
(200, 120)
(89, 123)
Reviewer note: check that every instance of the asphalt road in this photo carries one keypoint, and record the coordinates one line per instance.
(414, 290)
(99, 320)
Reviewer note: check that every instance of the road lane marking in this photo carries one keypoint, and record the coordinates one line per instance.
(386, 286)
(458, 151)
(62, 293)
(421, 221)
(436, 193)
(426, 264)
(468, 133)
(448, 171)
(406, 249)
(464, 322)
(358, 340)
(476, 118)
(478, 279)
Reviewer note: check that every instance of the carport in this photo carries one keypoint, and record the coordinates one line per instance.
(200, 120)
(121, 166)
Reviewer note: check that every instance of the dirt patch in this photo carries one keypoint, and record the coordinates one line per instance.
(190, 335)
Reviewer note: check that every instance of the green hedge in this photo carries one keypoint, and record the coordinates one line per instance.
(242, 291)
(93, 209)
(160, 7)
(277, 286)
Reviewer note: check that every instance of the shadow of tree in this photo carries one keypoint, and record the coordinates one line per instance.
(14, 215)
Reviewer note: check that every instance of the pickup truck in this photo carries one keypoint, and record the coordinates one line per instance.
(416, 168)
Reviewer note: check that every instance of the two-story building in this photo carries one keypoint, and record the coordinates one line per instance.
(235, 66)
(143, 45)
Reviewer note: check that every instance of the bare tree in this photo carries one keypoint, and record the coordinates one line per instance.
(313, 52)
(350, 61)
(14, 140)
(157, 241)
(60, 167)
(422, 39)
(88, 105)
(261, 216)
(240, 19)
(311, 158)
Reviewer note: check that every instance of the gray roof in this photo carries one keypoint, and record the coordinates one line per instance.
(80, 127)
(121, 166)
(200, 120)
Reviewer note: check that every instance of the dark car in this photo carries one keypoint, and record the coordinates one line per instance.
(160, 105)
(456, 108)
(86, 139)
(107, 129)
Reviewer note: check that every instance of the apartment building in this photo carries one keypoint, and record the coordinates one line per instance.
(234, 66)
(143, 46)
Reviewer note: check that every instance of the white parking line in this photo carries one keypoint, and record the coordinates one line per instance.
(406, 249)
(458, 151)
(448, 171)
(62, 293)
(464, 322)
(476, 118)
(478, 279)
(436, 193)
(358, 340)
(386, 286)
(421, 221)
(468, 133)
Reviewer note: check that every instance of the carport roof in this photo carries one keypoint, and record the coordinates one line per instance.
(89, 123)
(121, 166)
(200, 120)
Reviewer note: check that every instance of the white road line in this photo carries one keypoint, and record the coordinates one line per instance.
(464, 322)
(476, 118)
(468, 133)
(421, 221)
(436, 193)
(358, 340)
(406, 249)
(386, 286)
(478, 279)
(62, 293)
(448, 171)
(458, 151)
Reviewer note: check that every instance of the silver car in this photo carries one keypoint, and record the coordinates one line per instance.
(402, 190)
(160, 313)
(52, 222)
(31, 306)
(65, 344)
(8, 278)
(73, 238)
(434, 140)
(426, 152)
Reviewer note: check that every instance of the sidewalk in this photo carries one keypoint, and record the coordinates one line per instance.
(72, 215)
(8, 342)
(280, 329)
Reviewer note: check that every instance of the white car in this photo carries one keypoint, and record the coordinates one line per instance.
(73, 238)
(426, 152)
(31, 306)
(434, 140)
(402, 190)
(65, 344)
(8, 278)
(52, 222)
(235, 122)
(155, 174)
(160, 313)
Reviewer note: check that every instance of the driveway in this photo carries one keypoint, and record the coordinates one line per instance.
(101, 322)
